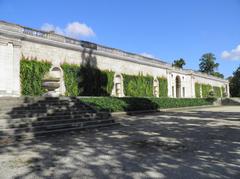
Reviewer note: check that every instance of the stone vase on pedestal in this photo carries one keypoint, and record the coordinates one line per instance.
(51, 82)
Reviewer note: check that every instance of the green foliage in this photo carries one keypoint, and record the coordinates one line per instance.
(205, 90)
(235, 83)
(135, 103)
(217, 91)
(198, 90)
(31, 75)
(217, 74)
(138, 86)
(87, 81)
(207, 63)
(163, 87)
(179, 63)
(71, 79)
(224, 94)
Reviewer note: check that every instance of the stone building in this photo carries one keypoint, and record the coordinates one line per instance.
(17, 41)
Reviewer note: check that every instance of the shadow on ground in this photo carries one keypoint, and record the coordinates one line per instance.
(195, 144)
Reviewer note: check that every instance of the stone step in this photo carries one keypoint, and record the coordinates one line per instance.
(54, 117)
(231, 101)
(57, 116)
(54, 126)
(35, 107)
(43, 113)
(36, 122)
(6, 140)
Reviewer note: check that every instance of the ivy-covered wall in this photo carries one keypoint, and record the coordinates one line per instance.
(138, 85)
(197, 90)
(223, 91)
(87, 81)
(163, 87)
(217, 91)
(71, 79)
(206, 88)
(31, 75)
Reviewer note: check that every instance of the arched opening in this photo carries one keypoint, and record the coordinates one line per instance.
(178, 87)
(118, 85)
(155, 88)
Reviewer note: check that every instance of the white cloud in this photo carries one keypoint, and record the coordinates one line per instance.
(147, 55)
(74, 30)
(234, 54)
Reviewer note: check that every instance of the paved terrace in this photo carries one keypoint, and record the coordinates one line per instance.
(203, 143)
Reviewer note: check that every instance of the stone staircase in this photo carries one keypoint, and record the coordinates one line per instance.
(30, 117)
(231, 101)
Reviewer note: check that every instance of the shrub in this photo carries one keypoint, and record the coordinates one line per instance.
(31, 76)
(113, 104)
(138, 86)
(198, 90)
(163, 87)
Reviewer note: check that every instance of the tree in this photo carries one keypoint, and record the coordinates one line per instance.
(207, 63)
(179, 63)
(217, 74)
(235, 83)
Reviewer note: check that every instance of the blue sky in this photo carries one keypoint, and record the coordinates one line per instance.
(166, 29)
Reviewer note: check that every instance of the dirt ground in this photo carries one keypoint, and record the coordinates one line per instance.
(198, 143)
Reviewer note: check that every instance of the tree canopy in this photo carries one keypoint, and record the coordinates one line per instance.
(208, 65)
(235, 83)
(179, 63)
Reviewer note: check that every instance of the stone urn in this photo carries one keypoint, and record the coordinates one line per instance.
(51, 82)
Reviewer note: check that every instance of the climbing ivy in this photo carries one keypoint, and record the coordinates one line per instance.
(223, 91)
(206, 88)
(163, 87)
(138, 85)
(31, 75)
(71, 79)
(217, 91)
(87, 81)
(197, 90)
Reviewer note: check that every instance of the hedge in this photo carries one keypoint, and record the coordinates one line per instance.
(223, 91)
(163, 87)
(217, 91)
(138, 86)
(198, 90)
(87, 81)
(113, 104)
(31, 75)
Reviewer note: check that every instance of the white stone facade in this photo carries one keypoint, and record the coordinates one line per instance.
(16, 41)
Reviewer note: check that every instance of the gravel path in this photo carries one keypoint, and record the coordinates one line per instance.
(202, 143)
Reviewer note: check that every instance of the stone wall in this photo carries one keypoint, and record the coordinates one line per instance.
(17, 40)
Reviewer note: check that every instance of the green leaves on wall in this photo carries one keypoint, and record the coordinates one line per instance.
(137, 86)
(31, 75)
(206, 89)
(217, 91)
(87, 81)
(163, 87)
(71, 79)
(197, 90)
